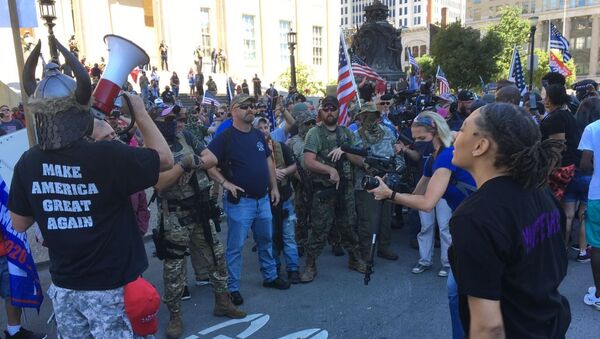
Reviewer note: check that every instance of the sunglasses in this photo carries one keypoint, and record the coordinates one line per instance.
(329, 108)
(220, 113)
(246, 106)
(5, 110)
(385, 103)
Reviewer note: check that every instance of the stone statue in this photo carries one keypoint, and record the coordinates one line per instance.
(378, 43)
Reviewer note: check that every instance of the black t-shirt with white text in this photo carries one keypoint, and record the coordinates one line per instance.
(79, 196)
(508, 245)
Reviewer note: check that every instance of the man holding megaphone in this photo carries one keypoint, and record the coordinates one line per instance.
(78, 193)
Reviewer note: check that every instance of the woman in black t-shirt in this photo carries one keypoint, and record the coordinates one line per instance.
(508, 252)
(568, 182)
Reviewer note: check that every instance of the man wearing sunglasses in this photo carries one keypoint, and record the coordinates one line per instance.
(247, 173)
(333, 201)
(7, 123)
(383, 105)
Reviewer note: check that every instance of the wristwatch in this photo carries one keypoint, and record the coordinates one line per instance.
(393, 196)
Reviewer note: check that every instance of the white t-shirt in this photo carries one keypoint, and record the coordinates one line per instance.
(590, 141)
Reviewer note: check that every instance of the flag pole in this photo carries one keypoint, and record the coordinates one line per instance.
(512, 65)
(350, 67)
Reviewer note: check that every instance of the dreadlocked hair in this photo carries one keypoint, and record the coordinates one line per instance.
(520, 150)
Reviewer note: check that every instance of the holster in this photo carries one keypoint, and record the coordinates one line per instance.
(164, 248)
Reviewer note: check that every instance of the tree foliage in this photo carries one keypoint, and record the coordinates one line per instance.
(513, 31)
(305, 80)
(464, 55)
(427, 65)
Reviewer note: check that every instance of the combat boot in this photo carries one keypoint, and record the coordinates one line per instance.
(310, 271)
(355, 262)
(224, 307)
(175, 327)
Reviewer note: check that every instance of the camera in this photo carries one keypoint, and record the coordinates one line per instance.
(392, 180)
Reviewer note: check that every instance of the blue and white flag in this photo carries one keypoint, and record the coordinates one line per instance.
(210, 99)
(516, 72)
(558, 41)
(270, 112)
(25, 287)
(412, 60)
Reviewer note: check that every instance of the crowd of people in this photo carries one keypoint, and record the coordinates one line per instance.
(505, 178)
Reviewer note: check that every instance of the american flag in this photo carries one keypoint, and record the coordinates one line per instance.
(441, 77)
(359, 67)
(210, 99)
(346, 90)
(412, 60)
(558, 41)
(229, 89)
(516, 72)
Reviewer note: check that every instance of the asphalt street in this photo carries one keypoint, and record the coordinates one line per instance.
(396, 303)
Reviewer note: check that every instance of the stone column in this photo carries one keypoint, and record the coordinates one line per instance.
(595, 45)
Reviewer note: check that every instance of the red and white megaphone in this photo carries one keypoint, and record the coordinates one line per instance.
(123, 57)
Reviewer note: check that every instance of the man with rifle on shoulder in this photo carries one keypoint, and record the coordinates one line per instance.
(185, 218)
(332, 177)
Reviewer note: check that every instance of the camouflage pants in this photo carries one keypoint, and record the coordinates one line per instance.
(90, 314)
(301, 218)
(338, 212)
(192, 236)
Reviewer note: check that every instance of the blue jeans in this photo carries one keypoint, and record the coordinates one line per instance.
(457, 329)
(255, 214)
(290, 249)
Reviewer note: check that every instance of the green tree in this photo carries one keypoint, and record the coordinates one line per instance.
(305, 80)
(464, 55)
(543, 67)
(427, 65)
(513, 31)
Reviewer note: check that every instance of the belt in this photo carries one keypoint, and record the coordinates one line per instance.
(182, 205)
(250, 196)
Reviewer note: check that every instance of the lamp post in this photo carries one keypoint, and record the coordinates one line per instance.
(533, 25)
(291, 40)
(48, 13)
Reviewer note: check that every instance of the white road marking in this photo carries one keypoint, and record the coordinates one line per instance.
(254, 326)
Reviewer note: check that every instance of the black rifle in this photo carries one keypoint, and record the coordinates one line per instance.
(206, 230)
(161, 244)
(385, 167)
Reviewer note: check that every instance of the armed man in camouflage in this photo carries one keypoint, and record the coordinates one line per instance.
(185, 218)
(380, 141)
(332, 176)
(305, 120)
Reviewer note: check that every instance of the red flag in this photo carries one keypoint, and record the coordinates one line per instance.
(134, 74)
(558, 66)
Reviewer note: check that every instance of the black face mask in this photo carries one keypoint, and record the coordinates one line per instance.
(424, 147)
(168, 129)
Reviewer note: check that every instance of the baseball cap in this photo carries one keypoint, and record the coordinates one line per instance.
(466, 95)
(330, 100)
(304, 116)
(141, 306)
(258, 120)
(448, 97)
(241, 98)
(299, 108)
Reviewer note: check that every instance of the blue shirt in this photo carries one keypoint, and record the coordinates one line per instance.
(247, 154)
(278, 134)
(223, 126)
(461, 183)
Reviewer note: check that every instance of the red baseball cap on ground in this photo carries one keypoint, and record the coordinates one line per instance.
(141, 306)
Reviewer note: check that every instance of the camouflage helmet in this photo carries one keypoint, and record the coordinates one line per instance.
(59, 104)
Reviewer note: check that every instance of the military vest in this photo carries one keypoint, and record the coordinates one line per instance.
(180, 149)
(330, 141)
(279, 161)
